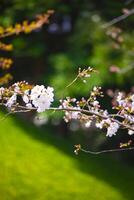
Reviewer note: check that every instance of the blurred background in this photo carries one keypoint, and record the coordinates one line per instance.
(37, 159)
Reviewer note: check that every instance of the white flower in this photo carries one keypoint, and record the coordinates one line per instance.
(50, 93)
(132, 106)
(74, 115)
(120, 100)
(25, 97)
(130, 132)
(119, 97)
(29, 105)
(16, 88)
(95, 103)
(11, 100)
(64, 104)
(100, 124)
(122, 103)
(108, 121)
(41, 97)
(105, 113)
(88, 124)
(112, 126)
(112, 129)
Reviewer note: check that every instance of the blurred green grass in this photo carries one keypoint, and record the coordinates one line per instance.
(36, 165)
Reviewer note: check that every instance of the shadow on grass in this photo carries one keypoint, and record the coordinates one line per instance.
(100, 166)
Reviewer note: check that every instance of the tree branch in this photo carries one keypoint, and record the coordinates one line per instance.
(118, 19)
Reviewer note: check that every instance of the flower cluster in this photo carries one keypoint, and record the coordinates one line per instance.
(67, 104)
(125, 107)
(35, 97)
(88, 111)
(39, 97)
(112, 127)
(85, 73)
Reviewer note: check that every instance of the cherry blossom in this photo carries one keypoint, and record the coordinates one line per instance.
(86, 110)
(40, 97)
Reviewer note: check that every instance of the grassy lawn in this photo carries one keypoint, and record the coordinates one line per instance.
(35, 165)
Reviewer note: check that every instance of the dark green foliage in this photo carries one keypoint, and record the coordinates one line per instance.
(85, 44)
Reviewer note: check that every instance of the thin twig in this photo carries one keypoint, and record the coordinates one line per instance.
(72, 81)
(107, 151)
(128, 2)
(118, 19)
(126, 69)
